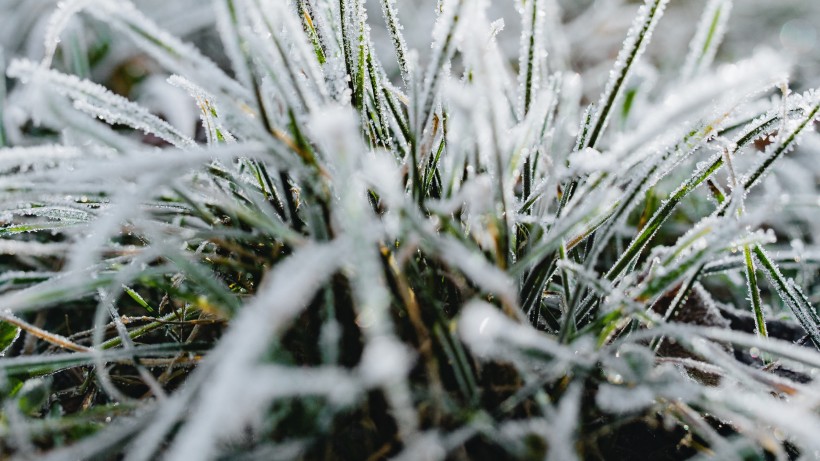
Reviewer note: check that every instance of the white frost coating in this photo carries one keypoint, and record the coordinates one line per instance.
(537, 128)
(443, 38)
(385, 361)
(86, 251)
(336, 128)
(355, 30)
(791, 294)
(295, 51)
(724, 88)
(666, 266)
(487, 276)
(26, 248)
(23, 156)
(55, 212)
(276, 86)
(26, 275)
(777, 347)
(338, 385)
(171, 52)
(556, 40)
(227, 26)
(208, 111)
(336, 77)
(795, 417)
(215, 415)
(707, 39)
(383, 174)
(96, 100)
(490, 334)
(378, 77)
(151, 161)
(489, 111)
(635, 44)
(395, 28)
(476, 194)
(481, 325)
(808, 105)
(428, 447)
(358, 192)
(58, 21)
(52, 109)
(171, 102)
(563, 427)
(619, 399)
(589, 160)
(532, 53)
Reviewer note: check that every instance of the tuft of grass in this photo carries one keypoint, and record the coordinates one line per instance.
(301, 244)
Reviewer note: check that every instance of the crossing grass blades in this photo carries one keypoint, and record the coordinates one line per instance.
(460, 255)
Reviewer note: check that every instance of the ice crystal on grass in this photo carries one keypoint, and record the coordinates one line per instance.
(99, 102)
(432, 249)
(710, 31)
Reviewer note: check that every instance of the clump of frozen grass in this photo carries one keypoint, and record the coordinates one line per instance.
(453, 258)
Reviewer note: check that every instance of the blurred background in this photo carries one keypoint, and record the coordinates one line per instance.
(595, 29)
(588, 36)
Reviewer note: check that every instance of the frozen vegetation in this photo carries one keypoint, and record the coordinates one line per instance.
(454, 229)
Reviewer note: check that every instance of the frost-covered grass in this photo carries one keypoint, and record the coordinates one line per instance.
(307, 237)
